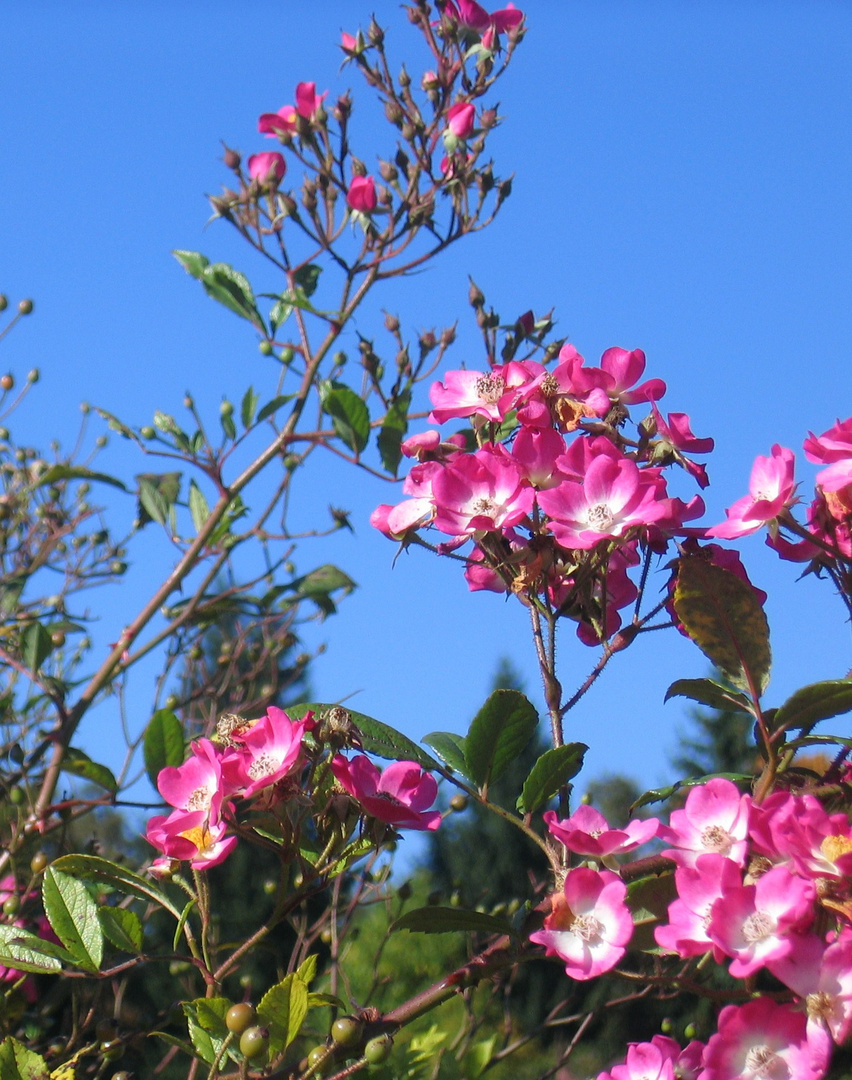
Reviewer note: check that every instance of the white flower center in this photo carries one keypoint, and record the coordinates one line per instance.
(715, 838)
(762, 1063)
(820, 1005)
(600, 517)
(199, 799)
(484, 505)
(757, 927)
(262, 765)
(587, 927)
(490, 388)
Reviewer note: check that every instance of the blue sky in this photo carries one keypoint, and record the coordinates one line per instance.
(682, 184)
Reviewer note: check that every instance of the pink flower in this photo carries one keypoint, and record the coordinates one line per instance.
(197, 784)
(362, 194)
(714, 819)
(191, 837)
(698, 889)
(474, 17)
(268, 750)
(460, 119)
(754, 923)
(287, 118)
(832, 445)
(586, 832)
(479, 492)
(822, 977)
(590, 925)
(764, 1041)
(771, 490)
(267, 168)
(399, 796)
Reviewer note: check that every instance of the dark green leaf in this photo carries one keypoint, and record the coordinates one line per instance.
(76, 763)
(554, 768)
(723, 616)
(450, 749)
(36, 646)
(164, 743)
(19, 1063)
(500, 730)
(25, 952)
(271, 407)
(648, 900)
(73, 915)
(233, 291)
(226, 419)
(660, 794)
(198, 506)
(349, 414)
(123, 928)
(248, 407)
(103, 872)
(193, 262)
(810, 704)
(392, 432)
(55, 473)
(157, 494)
(283, 1009)
(181, 923)
(319, 584)
(710, 693)
(307, 277)
(205, 1018)
(376, 738)
(445, 920)
(280, 313)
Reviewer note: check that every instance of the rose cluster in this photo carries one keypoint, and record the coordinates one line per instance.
(264, 760)
(555, 499)
(760, 887)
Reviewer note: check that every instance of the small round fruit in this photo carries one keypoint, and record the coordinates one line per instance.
(39, 862)
(265, 348)
(240, 1017)
(4, 302)
(123, 1075)
(254, 1041)
(11, 905)
(148, 432)
(25, 307)
(7, 382)
(57, 639)
(17, 796)
(112, 1050)
(346, 1031)
(377, 1050)
(458, 803)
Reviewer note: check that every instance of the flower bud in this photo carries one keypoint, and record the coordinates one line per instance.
(488, 119)
(404, 78)
(388, 172)
(448, 336)
(475, 296)
(375, 34)
(231, 159)
(343, 109)
(394, 113)
(391, 323)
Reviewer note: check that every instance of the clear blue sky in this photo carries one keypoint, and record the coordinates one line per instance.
(682, 185)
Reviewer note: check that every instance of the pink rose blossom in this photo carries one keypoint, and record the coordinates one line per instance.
(267, 751)
(191, 837)
(267, 168)
(714, 819)
(698, 888)
(590, 925)
(586, 832)
(460, 119)
(362, 194)
(765, 1041)
(399, 796)
(822, 977)
(771, 490)
(197, 784)
(832, 445)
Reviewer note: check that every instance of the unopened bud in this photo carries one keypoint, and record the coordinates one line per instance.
(343, 108)
(430, 81)
(475, 296)
(391, 323)
(448, 336)
(375, 33)
(231, 159)
(388, 172)
(358, 167)
(488, 119)
(220, 205)
(404, 79)
(407, 131)
(287, 205)
(428, 340)
(394, 113)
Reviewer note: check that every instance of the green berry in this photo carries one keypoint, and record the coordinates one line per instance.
(458, 803)
(254, 1041)
(240, 1017)
(226, 409)
(112, 1050)
(148, 432)
(33, 376)
(57, 639)
(347, 1031)
(4, 302)
(11, 905)
(286, 355)
(39, 862)
(16, 796)
(377, 1050)
(265, 348)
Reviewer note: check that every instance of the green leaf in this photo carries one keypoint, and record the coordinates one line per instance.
(122, 928)
(193, 262)
(164, 743)
(819, 701)
(166, 423)
(248, 407)
(445, 920)
(103, 872)
(73, 915)
(450, 749)
(319, 585)
(25, 952)
(198, 506)
(205, 1019)
(349, 414)
(280, 313)
(554, 768)
(307, 970)
(500, 730)
(36, 646)
(55, 473)
(282, 1010)
(19, 1063)
(157, 494)
(660, 794)
(648, 900)
(723, 616)
(114, 424)
(76, 763)
(307, 277)
(392, 432)
(376, 738)
(181, 923)
(710, 693)
(271, 407)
